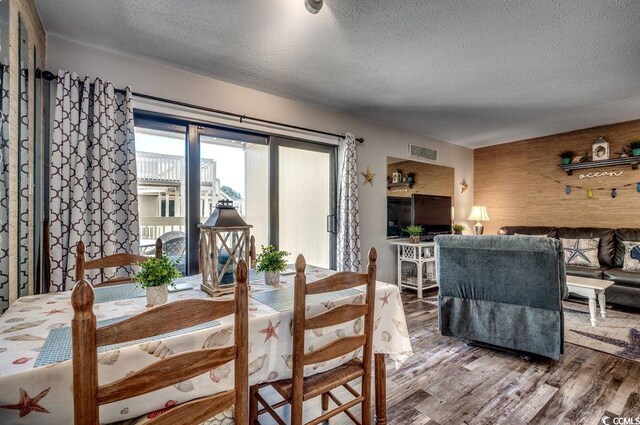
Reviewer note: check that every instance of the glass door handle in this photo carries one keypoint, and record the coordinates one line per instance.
(331, 224)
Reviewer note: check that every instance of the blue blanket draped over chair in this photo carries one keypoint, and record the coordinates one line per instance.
(505, 291)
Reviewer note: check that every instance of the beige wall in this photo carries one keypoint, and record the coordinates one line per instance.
(169, 82)
(516, 182)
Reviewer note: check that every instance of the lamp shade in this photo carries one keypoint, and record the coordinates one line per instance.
(478, 213)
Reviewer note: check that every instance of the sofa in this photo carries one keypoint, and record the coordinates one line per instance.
(626, 288)
(502, 291)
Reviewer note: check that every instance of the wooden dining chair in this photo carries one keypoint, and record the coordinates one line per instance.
(88, 395)
(298, 389)
(113, 260)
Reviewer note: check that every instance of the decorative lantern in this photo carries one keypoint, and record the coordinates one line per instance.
(224, 240)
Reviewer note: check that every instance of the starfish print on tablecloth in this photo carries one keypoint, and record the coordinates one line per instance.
(576, 251)
(27, 404)
(630, 349)
(385, 299)
(54, 311)
(270, 331)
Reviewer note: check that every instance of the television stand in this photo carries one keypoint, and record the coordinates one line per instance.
(416, 265)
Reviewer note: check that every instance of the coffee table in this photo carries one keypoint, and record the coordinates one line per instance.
(590, 288)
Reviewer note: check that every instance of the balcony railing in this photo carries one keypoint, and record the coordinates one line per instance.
(169, 169)
(154, 227)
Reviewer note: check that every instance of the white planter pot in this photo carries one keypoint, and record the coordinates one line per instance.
(157, 295)
(272, 278)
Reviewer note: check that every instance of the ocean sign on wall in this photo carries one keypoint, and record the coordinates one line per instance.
(601, 174)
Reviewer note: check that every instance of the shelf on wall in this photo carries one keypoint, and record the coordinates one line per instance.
(632, 160)
(390, 185)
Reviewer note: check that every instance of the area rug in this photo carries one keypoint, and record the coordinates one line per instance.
(618, 334)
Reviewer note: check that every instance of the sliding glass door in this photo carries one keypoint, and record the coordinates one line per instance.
(284, 188)
(237, 170)
(306, 200)
(162, 187)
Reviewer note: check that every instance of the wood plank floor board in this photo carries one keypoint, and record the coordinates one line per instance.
(629, 385)
(447, 382)
(511, 396)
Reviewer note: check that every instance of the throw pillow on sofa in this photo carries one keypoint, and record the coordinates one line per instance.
(581, 252)
(631, 257)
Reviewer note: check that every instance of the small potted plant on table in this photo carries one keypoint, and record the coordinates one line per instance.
(155, 275)
(271, 262)
(635, 147)
(414, 233)
(567, 156)
(458, 228)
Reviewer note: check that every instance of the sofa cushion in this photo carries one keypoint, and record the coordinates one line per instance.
(606, 247)
(631, 257)
(551, 232)
(622, 235)
(586, 271)
(621, 277)
(581, 252)
(623, 295)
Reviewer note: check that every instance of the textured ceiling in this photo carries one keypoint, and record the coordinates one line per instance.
(471, 72)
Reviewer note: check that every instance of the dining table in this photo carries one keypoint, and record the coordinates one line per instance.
(35, 347)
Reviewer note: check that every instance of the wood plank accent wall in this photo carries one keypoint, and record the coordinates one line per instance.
(37, 38)
(430, 179)
(513, 181)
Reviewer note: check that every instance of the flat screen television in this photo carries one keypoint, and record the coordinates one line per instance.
(431, 212)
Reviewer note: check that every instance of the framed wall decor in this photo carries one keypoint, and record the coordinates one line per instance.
(600, 149)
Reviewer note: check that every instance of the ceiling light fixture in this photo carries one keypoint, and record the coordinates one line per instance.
(313, 6)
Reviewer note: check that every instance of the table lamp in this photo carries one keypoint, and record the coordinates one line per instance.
(478, 213)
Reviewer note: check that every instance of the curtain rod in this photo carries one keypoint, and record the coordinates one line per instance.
(50, 76)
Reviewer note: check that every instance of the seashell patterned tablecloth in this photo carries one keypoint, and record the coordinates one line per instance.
(33, 395)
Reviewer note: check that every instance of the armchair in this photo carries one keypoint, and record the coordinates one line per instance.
(504, 291)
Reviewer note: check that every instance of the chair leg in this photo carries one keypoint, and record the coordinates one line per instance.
(366, 403)
(253, 404)
(325, 402)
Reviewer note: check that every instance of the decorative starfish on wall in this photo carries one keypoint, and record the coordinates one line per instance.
(464, 186)
(270, 331)
(575, 251)
(27, 404)
(368, 177)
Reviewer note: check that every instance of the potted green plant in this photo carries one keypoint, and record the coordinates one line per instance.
(635, 147)
(155, 275)
(567, 156)
(458, 228)
(414, 233)
(271, 261)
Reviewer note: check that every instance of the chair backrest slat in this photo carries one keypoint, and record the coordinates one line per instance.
(335, 349)
(182, 314)
(166, 318)
(199, 410)
(110, 261)
(341, 314)
(114, 260)
(169, 371)
(336, 282)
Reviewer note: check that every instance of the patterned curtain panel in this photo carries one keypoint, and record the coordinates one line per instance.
(348, 213)
(93, 176)
(23, 205)
(4, 190)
